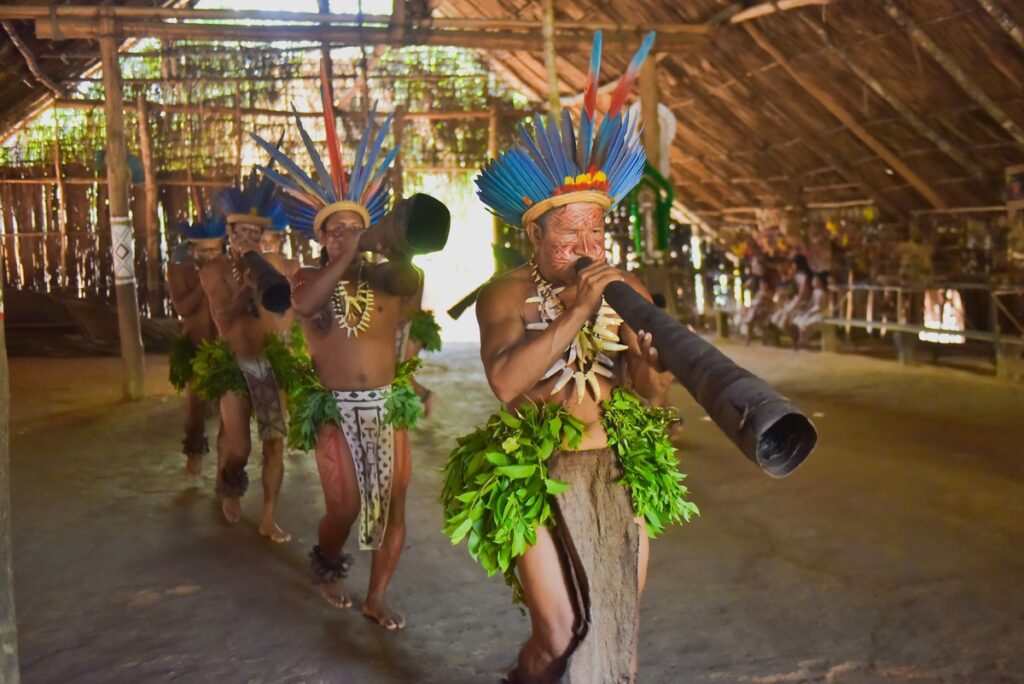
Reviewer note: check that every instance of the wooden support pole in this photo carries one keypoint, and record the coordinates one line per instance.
(122, 241)
(825, 100)
(924, 129)
(239, 133)
(492, 153)
(398, 172)
(154, 260)
(649, 111)
(8, 624)
(548, 34)
(950, 66)
(1005, 20)
(62, 209)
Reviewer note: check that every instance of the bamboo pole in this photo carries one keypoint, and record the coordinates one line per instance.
(950, 66)
(1005, 20)
(237, 124)
(766, 8)
(847, 119)
(62, 210)
(579, 37)
(548, 36)
(154, 260)
(122, 242)
(440, 115)
(492, 153)
(398, 171)
(947, 147)
(8, 624)
(649, 111)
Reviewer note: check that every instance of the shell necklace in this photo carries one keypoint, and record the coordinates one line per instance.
(586, 357)
(352, 312)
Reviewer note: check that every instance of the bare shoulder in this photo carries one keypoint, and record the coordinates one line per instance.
(303, 273)
(505, 291)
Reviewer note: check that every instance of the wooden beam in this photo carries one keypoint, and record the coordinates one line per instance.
(825, 100)
(950, 66)
(226, 111)
(925, 130)
(150, 220)
(815, 144)
(649, 112)
(96, 13)
(548, 35)
(1005, 20)
(122, 241)
(30, 60)
(505, 39)
(766, 8)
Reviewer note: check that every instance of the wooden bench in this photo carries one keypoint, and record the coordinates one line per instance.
(1009, 350)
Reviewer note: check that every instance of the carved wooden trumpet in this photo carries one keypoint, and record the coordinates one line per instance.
(768, 428)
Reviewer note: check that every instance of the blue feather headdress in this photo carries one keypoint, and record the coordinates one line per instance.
(552, 165)
(364, 189)
(256, 201)
(212, 226)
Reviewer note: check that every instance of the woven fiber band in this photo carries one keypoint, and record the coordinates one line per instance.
(335, 207)
(540, 208)
(254, 219)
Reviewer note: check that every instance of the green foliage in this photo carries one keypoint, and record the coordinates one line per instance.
(216, 371)
(424, 329)
(289, 367)
(310, 405)
(648, 458)
(403, 406)
(179, 361)
(497, 491)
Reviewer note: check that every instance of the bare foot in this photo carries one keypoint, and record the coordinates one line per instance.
(193, 466)
(231, 508)
(337, 594)
(274, 533)
(378, 611)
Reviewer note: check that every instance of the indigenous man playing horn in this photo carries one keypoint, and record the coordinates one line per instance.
(357, 406)
(555, 489)
(243, 369)
(200, 244)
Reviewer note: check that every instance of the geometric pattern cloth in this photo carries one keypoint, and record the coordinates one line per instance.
(371, 442)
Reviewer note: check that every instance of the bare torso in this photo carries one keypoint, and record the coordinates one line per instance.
(509, 292)
(235, 308)
(354, 362)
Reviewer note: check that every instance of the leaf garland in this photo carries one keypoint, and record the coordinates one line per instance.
(497, 490)
(403, 406)
(424, 329)
(648, 458)
(216, 371)
(179, 361)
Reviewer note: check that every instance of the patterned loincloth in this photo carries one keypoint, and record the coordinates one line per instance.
(371, 440)
(265, 395)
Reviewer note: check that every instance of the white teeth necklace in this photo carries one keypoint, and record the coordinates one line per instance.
(352, 312)
(586, 357)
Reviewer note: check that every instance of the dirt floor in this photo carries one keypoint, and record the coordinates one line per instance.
(893, 555)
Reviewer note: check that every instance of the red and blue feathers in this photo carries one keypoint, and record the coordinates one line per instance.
(553, 159)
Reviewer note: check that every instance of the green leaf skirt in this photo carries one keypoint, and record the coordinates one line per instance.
(496, 485)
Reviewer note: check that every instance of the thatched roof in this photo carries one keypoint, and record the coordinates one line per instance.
(910, 105)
